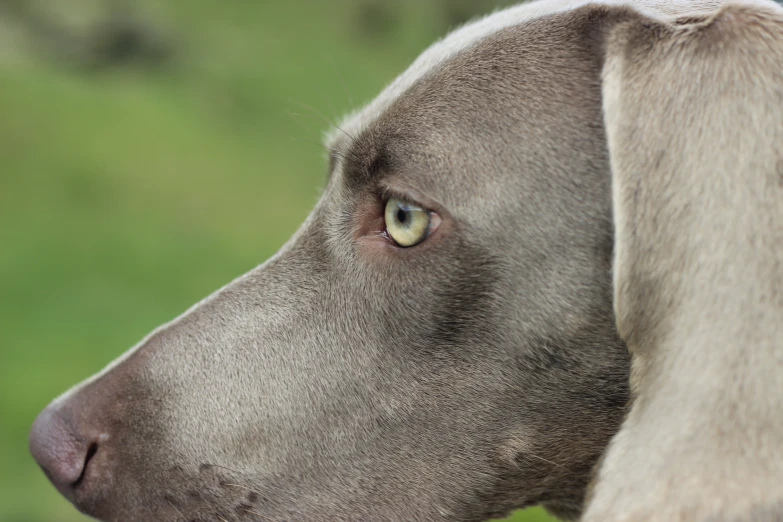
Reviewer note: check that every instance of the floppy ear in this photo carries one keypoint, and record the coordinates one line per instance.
(694, 121)
(693, 113)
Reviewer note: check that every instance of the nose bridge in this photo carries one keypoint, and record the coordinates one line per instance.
(86, 408)
(129, 378)
(126, 379)
(108, 388)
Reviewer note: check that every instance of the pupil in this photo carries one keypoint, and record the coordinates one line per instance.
(402, 216)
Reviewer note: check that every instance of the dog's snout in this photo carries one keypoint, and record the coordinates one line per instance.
(62, 449)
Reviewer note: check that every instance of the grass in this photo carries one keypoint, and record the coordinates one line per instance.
(128, 194)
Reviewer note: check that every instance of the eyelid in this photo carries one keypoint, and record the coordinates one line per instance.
(387, 191)
(438, 213)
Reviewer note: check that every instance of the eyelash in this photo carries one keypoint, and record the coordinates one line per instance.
(384, 194)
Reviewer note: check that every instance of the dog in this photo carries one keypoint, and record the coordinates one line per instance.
(698, 271)
(436, 342)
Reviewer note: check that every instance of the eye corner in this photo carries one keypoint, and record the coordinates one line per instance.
(435, 221)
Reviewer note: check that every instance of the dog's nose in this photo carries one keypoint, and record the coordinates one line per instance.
(61, 450)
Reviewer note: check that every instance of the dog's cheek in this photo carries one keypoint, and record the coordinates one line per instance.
(434, 299)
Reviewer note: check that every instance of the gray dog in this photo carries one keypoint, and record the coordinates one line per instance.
(437, 341)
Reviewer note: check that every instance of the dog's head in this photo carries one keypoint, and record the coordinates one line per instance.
(436, 341)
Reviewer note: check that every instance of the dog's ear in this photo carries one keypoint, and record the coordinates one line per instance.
(692, 106)
(693, 110)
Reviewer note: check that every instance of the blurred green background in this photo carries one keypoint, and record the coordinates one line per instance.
(150, 152)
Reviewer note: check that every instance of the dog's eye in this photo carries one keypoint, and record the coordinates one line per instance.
(406, 224)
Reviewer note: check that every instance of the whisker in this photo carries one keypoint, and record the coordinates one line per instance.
(246, 488)
(546, 460)
(343, 83)
(331, 107)
(223, 467)
(238, 486)
(321, 115)
(293, 116)
(271, 486)
(254, 491)
(313, 142)
(175, 508)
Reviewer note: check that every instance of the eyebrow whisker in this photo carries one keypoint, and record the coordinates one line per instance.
(294, 116)
(323, 117)
(342, 82)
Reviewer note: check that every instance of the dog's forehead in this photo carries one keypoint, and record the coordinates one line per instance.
(441, 53)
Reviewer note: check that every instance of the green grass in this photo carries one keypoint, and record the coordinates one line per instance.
(127, 195)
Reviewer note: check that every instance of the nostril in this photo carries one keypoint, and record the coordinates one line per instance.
(61, 449)
(91, 451)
